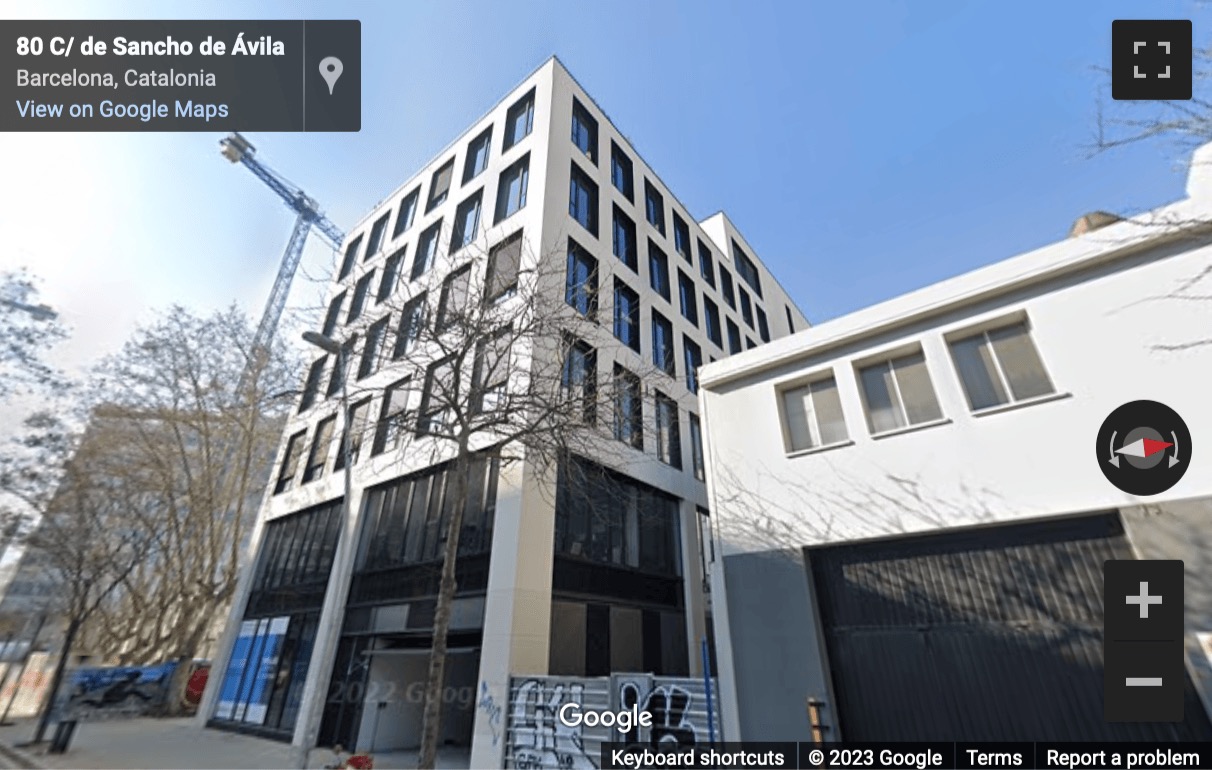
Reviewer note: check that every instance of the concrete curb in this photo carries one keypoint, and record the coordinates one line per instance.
(22, 759)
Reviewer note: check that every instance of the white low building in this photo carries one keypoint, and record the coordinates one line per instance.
(910, 515)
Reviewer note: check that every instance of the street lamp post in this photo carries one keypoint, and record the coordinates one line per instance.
(328, 631)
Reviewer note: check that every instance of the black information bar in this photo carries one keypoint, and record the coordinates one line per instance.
(180, 76)
(910, 756)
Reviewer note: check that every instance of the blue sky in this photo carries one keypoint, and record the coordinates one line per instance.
(864, 148)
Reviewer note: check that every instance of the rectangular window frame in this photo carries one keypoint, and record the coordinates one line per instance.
(511, 199)
(439, 185)
(479, 150)
(584, 131)
(622, 172)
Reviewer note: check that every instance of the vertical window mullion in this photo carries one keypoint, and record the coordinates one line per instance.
(997, 367)
(896, 388)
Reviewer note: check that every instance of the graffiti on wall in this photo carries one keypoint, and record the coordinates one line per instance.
(492, 712)
(116, 693)
(537, 738)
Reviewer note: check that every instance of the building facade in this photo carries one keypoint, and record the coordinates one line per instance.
(543, 182)
(915, 493)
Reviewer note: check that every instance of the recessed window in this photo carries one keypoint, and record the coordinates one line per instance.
(373, 347)
(579, 379)
(898, 393)
(340, 368)
(750, 344)
(628, 408)
(333, 315)
(477, 155)
(511, 190)
(746, 269)
(490, 375)
(452, 304)
(693, 360)
(392, 415)
(734, 337)
(681, 237)
(790, 322)
(311, 387)
(427, 250)
(290, 462)
(519, 121)
(584, 131)
(696, 453)
(412, 323)
(583, 199)
(376, 236)
(626, 315)
(654, 207)
(361, 289)
(662, 344)
(669, 442)
(504, 263)
(711, 318)
(351, 256)
(812, 415)
(581, 283)
(1000, 366)
(467, 221)
(726, 288)
(686, 295)
(351, 440)
(746, 307)
(407, 213)
(317, 458)
(391, 274)
(763, 326)
(439, 187)
(658, 270)
(621, 175)
(706, 264)
(436, 412)
(625, 239)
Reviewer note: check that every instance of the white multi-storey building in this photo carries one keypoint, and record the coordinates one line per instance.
(543, 180)
(913, 506)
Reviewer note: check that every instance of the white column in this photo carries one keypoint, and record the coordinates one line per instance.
(726, 691)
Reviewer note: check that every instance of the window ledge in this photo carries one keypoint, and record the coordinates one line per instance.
(912, 428)
(1019, 404)
(823, 448)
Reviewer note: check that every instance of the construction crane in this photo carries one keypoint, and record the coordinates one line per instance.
(237, 149)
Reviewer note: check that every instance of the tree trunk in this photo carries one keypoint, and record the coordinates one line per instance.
(431, 724)
(68, 639)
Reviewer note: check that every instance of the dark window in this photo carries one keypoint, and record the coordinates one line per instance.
(763, 326)
(351, 439)
(734, 337)
(681, 237)
(696, 451)
(317, 458)
(658, 270)
(334, 313)
(706, 264)
(427, 249)
(376, 236)
(654, 207)
(790, 323)
(746, 269)
(625, 239)
(290, 462)
(746, 307)
(693, 359)
(581, 286)
(669, 442)
(441, 388)
(519, 121)
(579, 378)
(373, 348)
(504, 263)
(511, 190)
(584, 131)
(726, 288)
(711, 318)
(311, 387)
(361, 289)
(407, 213)
(620, 172)
(686, 295)
(439, 188)
(453, 302)
(284, 563)
(628, 408)
(340, 368)
(627, 315)
(351, 256)
(477, 155)
(662, 344)
(391, 273)
(467, 221)
(750, 344)
(392, 415)
(583, 199)
(490, 376)
(412, 323)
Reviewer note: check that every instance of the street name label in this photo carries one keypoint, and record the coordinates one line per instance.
(180, 76)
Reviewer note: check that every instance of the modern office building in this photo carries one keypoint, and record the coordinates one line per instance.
(543, 182)
(913, 504)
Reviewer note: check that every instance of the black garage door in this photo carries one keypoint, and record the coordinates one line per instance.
(989, 634)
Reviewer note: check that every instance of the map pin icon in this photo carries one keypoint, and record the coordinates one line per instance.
(330, 70)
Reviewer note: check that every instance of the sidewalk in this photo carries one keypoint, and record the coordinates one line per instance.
(176, 744)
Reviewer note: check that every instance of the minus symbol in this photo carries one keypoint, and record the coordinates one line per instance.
(1143, 681)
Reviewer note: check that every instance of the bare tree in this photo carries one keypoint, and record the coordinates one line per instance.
(27, 331)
